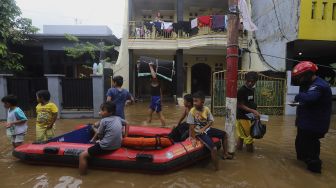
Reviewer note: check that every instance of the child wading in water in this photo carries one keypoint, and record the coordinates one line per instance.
(201, 120)
(46, 116)
(245, 105)
(156, 97)
(120, 97)
(181, 131)
(109, 133)
(16, 125)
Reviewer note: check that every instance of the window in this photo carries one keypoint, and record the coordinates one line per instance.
(313, 10)
(324, 8)
(334, 12)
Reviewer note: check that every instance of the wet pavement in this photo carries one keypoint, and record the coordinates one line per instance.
(273, 164)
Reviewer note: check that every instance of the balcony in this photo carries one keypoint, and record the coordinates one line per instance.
(143, 35)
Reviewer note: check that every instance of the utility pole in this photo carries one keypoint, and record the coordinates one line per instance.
(232, 73)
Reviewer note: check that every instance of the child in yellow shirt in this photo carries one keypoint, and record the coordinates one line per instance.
(46, 116)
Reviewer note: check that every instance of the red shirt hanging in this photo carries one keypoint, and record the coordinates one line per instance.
(204, 21)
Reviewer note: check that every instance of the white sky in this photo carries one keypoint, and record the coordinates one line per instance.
(65, 12)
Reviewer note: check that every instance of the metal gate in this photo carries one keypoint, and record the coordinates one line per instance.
(25, 89)
(269, 93)
(77, 93)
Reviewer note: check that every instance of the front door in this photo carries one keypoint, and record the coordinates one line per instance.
(201, 78)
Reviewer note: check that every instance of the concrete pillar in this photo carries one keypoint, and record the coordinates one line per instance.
(3, 92)
(179, 9)
(55, 90)
(292, 91)
(130, 10)
(98, 93)
(131, 72)
(179, 73)
(189, 79)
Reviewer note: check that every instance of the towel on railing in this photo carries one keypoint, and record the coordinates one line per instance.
(149, 26)
(157, 25)
(194, 23)
(204, 21)
(184, 26)
(218, 22)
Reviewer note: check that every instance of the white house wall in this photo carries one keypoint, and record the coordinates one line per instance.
(122, 66)
(272, 36)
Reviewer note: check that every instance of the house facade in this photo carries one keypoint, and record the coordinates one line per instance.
(164, 29)
(290, 31)
(45, 53)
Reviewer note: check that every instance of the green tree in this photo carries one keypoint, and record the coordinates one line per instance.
(93, 51)
(14, 30)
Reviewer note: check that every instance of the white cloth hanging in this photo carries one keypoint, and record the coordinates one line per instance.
(194, 23)
(167, 25)
(247, 21)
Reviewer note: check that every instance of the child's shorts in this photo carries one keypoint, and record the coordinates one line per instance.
(156, 104)
(206, 138)
(97, 150)
(17, 138)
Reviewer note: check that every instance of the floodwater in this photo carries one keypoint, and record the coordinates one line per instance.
(273, 164)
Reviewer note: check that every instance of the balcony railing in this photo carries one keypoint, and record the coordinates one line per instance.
(144, 30)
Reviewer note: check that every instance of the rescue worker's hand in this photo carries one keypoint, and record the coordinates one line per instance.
(293, 103)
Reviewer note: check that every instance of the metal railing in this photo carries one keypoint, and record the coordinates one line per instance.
(25, 89)
(269, 93)
(77, 93)
(139, 30)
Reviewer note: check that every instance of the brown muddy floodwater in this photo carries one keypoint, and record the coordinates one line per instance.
(272, 165)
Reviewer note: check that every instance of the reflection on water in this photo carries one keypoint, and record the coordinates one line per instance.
(272, 165)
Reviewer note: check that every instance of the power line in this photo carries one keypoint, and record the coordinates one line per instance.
(285, 58)
(276, 15)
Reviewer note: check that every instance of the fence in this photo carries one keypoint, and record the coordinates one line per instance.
(25, 89)
(269, 93)
(140, 30)
(77, 93)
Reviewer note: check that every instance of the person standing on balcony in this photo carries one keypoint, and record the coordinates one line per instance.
(313, 114)
(156, 97)
(246, 105)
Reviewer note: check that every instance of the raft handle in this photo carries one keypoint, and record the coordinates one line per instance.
(51, 150)
(142, 157)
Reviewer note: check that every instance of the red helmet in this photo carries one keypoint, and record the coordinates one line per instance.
(304, 66)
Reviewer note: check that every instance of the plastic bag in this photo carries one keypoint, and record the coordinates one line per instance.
(258, 130)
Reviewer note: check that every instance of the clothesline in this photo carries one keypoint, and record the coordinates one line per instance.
(215, 22)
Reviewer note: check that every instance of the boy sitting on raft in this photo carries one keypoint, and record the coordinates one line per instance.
(201, 120)
(181, 131)
(109, 133)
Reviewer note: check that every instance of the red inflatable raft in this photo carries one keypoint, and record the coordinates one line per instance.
(64, 150)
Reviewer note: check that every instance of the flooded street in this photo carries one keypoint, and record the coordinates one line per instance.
(272, 165)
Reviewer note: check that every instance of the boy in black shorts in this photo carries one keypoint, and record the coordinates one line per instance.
(109, 133)
(201, 120)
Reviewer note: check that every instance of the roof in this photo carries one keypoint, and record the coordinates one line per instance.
(93, 32)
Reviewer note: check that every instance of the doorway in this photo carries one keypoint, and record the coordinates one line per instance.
(201, 78)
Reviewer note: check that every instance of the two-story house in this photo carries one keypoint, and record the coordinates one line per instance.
(166, 29)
